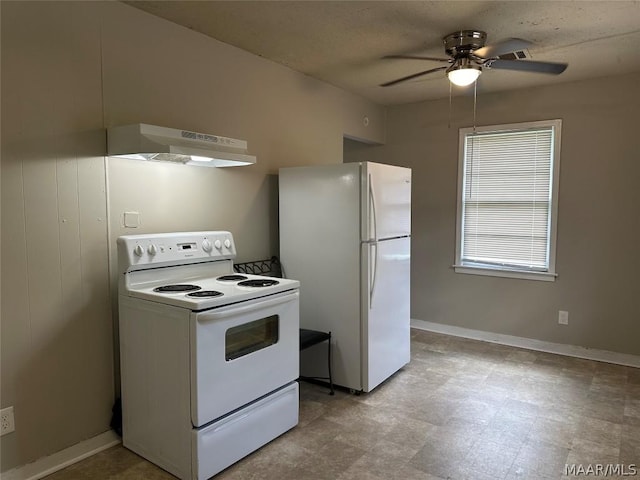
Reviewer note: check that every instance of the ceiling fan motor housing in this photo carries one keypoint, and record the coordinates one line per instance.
(462, 43)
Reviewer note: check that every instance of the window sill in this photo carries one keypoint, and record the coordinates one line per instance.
(496, 272)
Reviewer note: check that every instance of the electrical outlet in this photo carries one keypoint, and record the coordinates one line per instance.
(7, 423)
(563, 317)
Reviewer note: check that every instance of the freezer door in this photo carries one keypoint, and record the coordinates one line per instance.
(386, 201)
(386, 310)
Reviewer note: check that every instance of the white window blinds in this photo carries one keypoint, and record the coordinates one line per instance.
(506, 198)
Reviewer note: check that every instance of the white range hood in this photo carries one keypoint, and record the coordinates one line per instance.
(150, 142)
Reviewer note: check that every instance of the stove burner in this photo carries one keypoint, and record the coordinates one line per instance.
(231, 278)
(205, 294)
(260, 282)
(176, 288)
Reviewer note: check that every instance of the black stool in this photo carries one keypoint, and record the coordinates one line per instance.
(308, 338)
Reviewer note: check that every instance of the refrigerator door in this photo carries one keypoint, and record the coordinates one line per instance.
(386, 201)
(386, 312)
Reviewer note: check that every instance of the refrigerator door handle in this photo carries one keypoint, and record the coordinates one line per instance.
(373, 263)
(372, 211)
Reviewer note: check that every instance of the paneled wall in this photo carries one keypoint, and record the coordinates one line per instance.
(56, 318)
(69, 70)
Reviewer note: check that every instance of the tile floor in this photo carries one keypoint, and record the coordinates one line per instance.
(462, 409)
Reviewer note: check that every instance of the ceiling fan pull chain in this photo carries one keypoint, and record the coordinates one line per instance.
(449, 126)
(475, 97)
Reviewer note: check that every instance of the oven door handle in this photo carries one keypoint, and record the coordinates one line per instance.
(243, 308)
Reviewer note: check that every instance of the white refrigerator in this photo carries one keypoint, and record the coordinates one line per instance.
(345, 234)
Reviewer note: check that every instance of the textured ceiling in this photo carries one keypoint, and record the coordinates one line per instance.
(342, 42)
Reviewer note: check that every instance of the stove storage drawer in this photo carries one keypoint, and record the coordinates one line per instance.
(241, 352)
(221, 444)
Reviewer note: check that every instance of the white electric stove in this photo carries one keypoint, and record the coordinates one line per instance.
(209, 358)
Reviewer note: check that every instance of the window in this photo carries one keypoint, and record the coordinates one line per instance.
(507, 200)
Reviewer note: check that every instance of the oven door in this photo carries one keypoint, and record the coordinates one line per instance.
(241, 352)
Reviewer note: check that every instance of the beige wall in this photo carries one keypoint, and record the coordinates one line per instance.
(598, 258)
(69, 70)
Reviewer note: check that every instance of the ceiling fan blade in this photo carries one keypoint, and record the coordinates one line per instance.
(418, 57)
(409, 77)
(500, 48)
(529, 66)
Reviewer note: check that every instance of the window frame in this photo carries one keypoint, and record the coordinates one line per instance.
(509, 271)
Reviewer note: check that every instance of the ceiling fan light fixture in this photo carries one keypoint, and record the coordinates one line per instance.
(463, 75)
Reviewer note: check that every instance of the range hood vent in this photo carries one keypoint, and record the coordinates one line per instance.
(149, 142)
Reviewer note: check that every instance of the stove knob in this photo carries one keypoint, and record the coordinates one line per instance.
(218, 244)
(152, 249)
(206, 246)
(227, 243)
(138, 251)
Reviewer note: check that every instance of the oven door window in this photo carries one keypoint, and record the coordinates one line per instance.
(251, 337)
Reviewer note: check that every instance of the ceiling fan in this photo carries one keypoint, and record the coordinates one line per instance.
(468, 56)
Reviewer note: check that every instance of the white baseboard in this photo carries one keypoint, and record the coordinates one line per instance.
(48, 465)
(530, 344)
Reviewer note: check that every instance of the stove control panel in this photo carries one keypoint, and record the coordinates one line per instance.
(137, 252)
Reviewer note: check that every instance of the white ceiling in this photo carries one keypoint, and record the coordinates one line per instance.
(342, 42)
